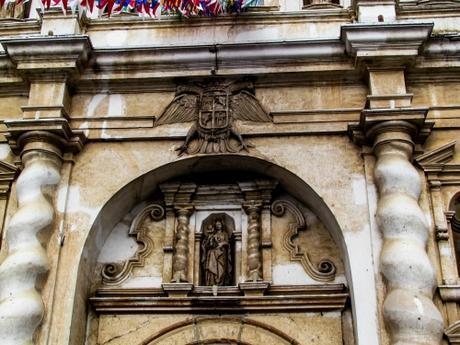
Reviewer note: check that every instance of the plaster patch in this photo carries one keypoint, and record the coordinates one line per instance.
(364, 290)
(117, 38)
(290, 273)
(419, 306)
(93, 104)
(119, 246)
(5, 151)
(445, 251)
(104, 134)
(61, 198)
(74, 205)
(143, 282)
(117, 105)
(358, 185)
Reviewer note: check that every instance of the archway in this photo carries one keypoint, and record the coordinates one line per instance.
(141, 187)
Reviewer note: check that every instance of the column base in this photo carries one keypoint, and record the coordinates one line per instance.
(254, 288)
(177, 289)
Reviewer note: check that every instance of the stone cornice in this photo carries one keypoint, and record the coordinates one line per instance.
(11, 84)
(248, 18)
(395, 44)
(430, 8)
(279, 298)
(48, 57)
(253, 58)
(57, 131)
(15, 27)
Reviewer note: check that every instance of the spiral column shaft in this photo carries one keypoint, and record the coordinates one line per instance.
(254, 241)
(26, 265)
(409, 312)
(181, 254)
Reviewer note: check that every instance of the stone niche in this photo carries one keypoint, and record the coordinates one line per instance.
(220, 259)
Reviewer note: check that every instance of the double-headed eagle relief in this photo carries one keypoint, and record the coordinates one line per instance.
(214, 107)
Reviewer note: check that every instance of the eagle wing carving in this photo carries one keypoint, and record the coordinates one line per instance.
(183, 108)
(246, 107)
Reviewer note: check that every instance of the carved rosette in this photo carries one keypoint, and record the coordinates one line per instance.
(116, 273)
(325, 270)
(181, 254)
(254, 243)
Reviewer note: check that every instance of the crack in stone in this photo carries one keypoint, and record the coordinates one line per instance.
(126, 333)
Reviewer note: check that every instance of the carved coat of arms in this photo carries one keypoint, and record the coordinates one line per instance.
(214, 107)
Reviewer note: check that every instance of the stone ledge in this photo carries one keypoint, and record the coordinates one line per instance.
(277, 298)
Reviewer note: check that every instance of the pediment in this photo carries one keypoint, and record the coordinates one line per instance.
(436, 165)
(7, 168)
(453, 333)
(437, 157)
(7, 175)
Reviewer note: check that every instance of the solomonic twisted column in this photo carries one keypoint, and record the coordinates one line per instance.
(26, 264)
(409, 312)
(181, 254)
(254, 241)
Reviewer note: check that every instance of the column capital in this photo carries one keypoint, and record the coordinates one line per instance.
(24, 135)
(184, 209)
(252, 206)
(405, 121)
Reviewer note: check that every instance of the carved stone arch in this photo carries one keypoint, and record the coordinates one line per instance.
(209, 330)
(140, 189)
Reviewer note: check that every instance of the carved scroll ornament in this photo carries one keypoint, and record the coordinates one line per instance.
(214, 107)
(115, 273)
(325, 270)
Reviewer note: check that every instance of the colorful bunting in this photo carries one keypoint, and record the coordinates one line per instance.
(155, 8)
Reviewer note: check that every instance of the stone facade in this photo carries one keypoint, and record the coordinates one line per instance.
(287, 175)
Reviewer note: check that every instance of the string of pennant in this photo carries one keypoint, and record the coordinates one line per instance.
(152, 8)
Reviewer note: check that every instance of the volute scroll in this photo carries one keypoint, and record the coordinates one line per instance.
(116, 273)
(324, 270)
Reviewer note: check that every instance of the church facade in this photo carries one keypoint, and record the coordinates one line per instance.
(284, 175)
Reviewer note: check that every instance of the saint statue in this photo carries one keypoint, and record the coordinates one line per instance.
(216, 255)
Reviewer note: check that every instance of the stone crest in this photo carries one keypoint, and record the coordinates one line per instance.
(214, 107)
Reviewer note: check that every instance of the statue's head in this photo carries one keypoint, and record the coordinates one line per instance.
(219, 225)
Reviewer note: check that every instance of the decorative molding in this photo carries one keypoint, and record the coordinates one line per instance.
(437, 157)
(8, 173)
(376, 121)
(325, 269)
(397, 43)
(233, 338)
(45, 57)
(436, 167)
(112, 273)
(55, 130)
(229, 299)
(449, 293)
(453, 333)
(214, 107)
